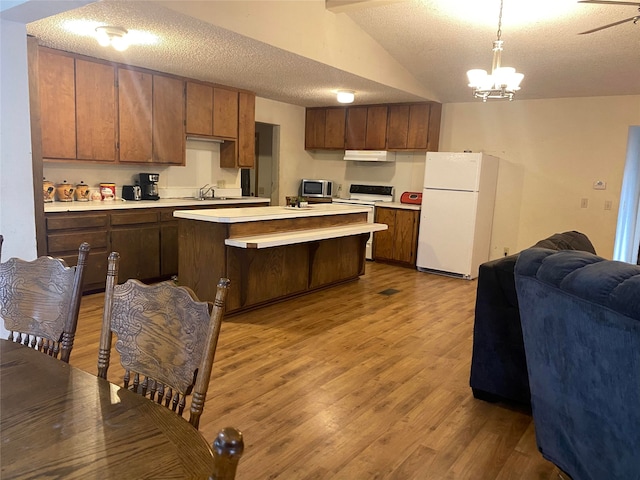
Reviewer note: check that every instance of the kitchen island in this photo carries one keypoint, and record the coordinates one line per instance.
(271, 253)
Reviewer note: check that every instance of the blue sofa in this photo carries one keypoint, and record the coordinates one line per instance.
(580, 318)
(498, 366)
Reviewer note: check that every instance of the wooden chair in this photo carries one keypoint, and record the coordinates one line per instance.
(164, 336)
(40, 301)
(168, 338)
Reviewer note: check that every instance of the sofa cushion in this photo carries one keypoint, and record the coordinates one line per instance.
(581, 327)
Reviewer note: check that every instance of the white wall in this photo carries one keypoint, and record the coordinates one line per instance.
(552, 152)
(17, 216)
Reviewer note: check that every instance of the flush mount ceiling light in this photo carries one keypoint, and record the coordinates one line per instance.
(346, 96)
(503, 82)
(114, 36)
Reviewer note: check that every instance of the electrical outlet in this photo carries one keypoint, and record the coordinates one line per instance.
(506, 251)
(584, 203)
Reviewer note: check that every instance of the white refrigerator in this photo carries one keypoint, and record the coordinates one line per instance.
(457, 213)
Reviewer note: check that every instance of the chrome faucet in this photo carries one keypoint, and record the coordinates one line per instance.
(204, 191)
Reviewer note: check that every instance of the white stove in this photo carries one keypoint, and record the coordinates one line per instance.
(367, 195)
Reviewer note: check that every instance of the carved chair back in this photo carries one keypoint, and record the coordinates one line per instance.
(40, 302)
(166, 339)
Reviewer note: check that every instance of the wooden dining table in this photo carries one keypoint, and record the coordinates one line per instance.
(58, 421)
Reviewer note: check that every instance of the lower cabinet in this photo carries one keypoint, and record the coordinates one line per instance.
(65, 233)
(145, 238)
(135, 235)
(399, 243)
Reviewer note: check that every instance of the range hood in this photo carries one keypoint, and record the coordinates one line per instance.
(369, 156)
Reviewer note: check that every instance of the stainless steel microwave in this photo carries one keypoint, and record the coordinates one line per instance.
(316, 188)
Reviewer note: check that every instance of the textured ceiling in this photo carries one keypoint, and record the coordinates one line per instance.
(435, 45)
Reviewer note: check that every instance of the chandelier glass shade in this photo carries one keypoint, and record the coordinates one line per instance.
(502, 82)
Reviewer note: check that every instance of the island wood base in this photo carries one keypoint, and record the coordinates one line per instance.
(263, 275)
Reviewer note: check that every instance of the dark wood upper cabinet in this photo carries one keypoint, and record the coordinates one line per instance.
(376, 138)
(398, 126)
(314, 128)
(408, 127)
(225, 113)
(56, 84)
(419, 126)
(168, 120)
(246, 129)
(356, 130)
(334, 128)
(95, 111)
(135, 109)
(325, 128)
(199, 109)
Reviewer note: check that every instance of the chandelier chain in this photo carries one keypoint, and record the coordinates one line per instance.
(499, 33)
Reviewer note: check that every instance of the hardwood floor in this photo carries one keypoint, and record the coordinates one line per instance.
(357, 383)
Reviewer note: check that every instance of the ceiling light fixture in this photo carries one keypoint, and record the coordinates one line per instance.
(114, 36)
(346, 96)
(503, 82)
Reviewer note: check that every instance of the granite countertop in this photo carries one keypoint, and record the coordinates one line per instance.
(128, 204)
(256, 214)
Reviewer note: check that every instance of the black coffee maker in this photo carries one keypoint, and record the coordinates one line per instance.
(149, 186)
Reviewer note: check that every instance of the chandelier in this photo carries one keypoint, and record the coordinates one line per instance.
(503, 82)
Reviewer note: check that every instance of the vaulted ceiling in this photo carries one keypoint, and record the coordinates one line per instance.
(388, 51)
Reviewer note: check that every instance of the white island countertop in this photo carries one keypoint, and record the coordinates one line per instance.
(257, 214)
(163, 202)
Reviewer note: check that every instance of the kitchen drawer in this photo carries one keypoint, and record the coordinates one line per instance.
(66, 221)
(69, 242)
(132, 218)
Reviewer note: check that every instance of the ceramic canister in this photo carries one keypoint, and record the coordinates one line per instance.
(82, 192)
(48, 190)
(65, 191)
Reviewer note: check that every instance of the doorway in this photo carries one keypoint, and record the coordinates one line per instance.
(262, 180)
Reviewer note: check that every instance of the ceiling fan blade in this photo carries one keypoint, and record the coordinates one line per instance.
(613, 2)
(610, 25)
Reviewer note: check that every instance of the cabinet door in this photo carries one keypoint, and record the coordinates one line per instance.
(199, 109)
(246, 130)
(139, 249)
(56, 84)
(383, 241)
(135, 115)
(95, 111)
(418, 131)
(169, 248)
(168, 120)
(405, 236)
(356, 129)
(376, 128)
(225, 113)
(314, 128)
(398, 126)
(334, 128)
